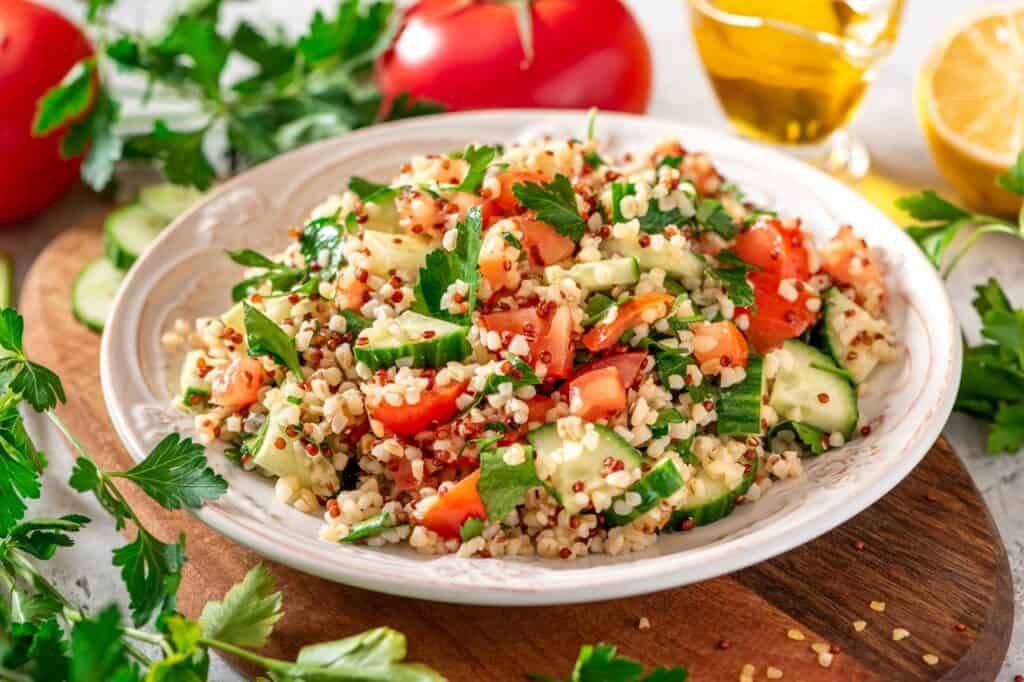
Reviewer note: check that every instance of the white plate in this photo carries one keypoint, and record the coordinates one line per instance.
(185, 274)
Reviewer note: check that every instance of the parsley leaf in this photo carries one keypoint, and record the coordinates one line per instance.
(502, 486)
(193, 45)
(248, 612)
(654, 220)
(928, 206)
(380, 650)
(37, 384)
(601, 662)
(180, 154)
(521, 374)
(265, 337)
(712, 216)
(479, 159)
(151, 571)
(176, 475)
(666, 416)
(555, 204)
(671, 161)
(444, 268)
(20, 465)
(470, 528)
(96, 131)
(66, 101)
(990, 297)
(280, 276)
(98, 651)
(1007, 432)
(363, 187)
(813, 437)
(734, 278)
(1013, 179)
(323, 235)
(42, 537)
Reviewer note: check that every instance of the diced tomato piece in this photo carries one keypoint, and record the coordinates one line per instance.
(507, 199)
(554, 346)
(524, 321)
(539, 406)
(597, 394)
(446, 516)
(637, 310)
(436, 406)
(489, 210)
(402, 474)
(353, 297)
(720, 341)
(847, 258)
(239, 384)
(492, 267)
(628, 364)
(544, 246)
(773, 247)
(776, 318)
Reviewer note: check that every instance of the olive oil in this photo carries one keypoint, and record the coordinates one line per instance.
(792, 71)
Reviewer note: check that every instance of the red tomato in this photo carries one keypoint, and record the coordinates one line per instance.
(555, 347)
(353, 297)
(446, 516)
(38, 47)
(538, 406)
(729, 347)
(436, 406)
(777, 319)
(774, 248)
(507, 200)
(402, 474)
(239, 384)
(597, 394)
(543, 244)
(630, 313)
(469, 55)
(847, 258)
(524, 321)
(628, 364)
(489, 210)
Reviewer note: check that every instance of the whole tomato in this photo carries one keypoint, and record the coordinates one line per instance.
(468, 54)
(37, 48)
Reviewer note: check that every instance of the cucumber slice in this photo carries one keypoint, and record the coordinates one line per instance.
(367, 528)
(849, 332)
(289, 460)
(405, 339)
(167, 200)
(577, 464)
(235, 318)
(195, 388)
(93, 292)
(598, 276)
(661, 482)
(739, 406)
(6, 280)
(716, 501)
(381, 211)
(395, 252)
(128, 231)
(817, 397)
(674, 260)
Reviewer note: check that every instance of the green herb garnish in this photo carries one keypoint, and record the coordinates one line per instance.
(555, 204)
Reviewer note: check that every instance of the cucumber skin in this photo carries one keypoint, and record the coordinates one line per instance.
(375, 525)
(436, 352)
(90, 324)
(739, 406)
(121, 258)
(660, 482)
(718, 508)
(6, 280)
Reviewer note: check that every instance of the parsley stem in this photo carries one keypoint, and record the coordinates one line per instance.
(67, 434)
(6, 674)
(271, 664)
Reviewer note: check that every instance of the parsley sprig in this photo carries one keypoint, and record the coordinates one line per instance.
(313, 87)
(444, 268)
(555, 204)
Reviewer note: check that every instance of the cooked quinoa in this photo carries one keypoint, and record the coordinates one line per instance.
(537, 349)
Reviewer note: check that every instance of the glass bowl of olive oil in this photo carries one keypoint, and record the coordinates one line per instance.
(794, 72)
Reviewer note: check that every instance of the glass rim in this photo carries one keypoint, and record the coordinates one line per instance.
(850, 48)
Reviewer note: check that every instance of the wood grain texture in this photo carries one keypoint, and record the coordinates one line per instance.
(931, 553)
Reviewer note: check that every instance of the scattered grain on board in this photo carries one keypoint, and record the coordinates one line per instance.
(930, 659)
(795, 634)
(859, 625)
(878, 606)
(899, 634)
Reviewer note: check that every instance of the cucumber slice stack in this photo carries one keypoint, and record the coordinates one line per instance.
(127, 232)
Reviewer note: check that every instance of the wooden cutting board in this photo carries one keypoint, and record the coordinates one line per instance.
(930, 552)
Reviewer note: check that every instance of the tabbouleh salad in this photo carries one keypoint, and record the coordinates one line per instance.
(537, 349)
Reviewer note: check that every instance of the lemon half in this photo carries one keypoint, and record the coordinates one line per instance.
(970, 98)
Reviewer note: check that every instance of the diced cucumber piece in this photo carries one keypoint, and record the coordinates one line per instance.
(289, 460)
(278, 308)
(6, 280)
(673, 259)
(739, 406)
(235, 318)
(381, 212)
(817, 397)
(168, 200)
(367, 528)
(127, 232)
(395, 252)
(716, 500)
(574, 463)
(194, 386)
(844, 319)
(428, 341)
(661, 482)
(599, 275)
(93, 292)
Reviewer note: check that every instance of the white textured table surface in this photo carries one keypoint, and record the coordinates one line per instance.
(886, 123)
